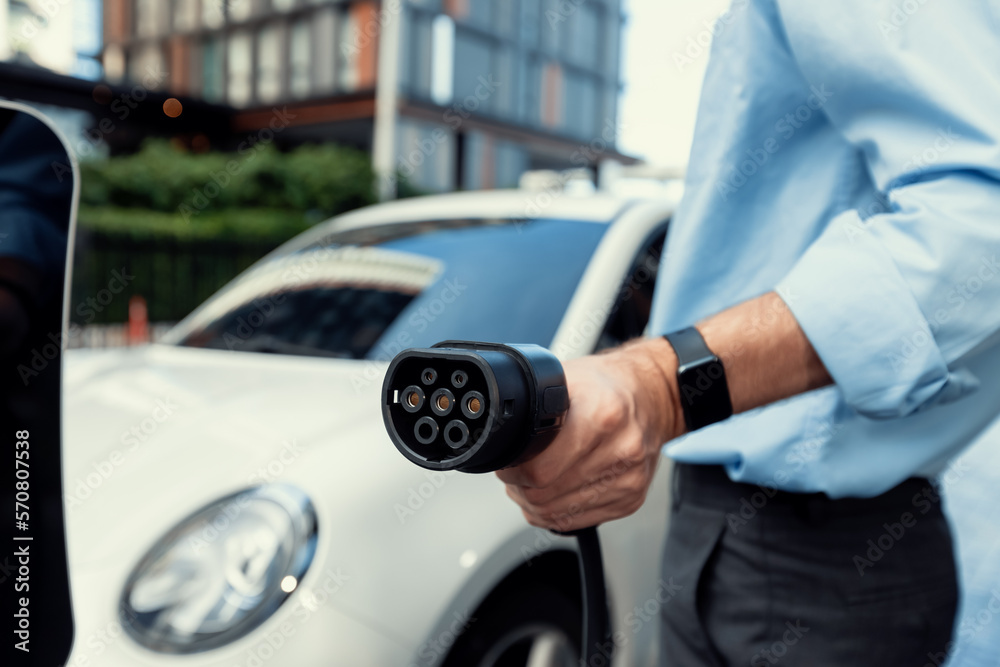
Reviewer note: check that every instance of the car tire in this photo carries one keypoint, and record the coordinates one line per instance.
(538, 626)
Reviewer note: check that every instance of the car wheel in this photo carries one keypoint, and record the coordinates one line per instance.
(528, 627)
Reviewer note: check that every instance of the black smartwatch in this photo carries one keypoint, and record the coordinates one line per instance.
(701, 380)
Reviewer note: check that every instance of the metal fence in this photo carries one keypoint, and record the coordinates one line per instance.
(172, 276)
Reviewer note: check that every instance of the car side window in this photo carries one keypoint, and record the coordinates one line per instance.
(634, 304)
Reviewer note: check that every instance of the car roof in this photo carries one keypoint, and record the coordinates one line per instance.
(597, 208)
(514, 204)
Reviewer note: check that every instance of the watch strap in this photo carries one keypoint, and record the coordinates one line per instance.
(701, 380)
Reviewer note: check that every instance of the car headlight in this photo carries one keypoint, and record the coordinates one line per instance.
(220, 572)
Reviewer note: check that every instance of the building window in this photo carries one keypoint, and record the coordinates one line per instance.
(550, 25)
(240, 60)
(418, 53)
(186, 14)
(481, 12)
(282, 5)
(300, 64)
(552, 96)
(212, 13)
(581, 36)
(147, 61)
(473, 66)
(581, 105)
(212, 73)
(350, 51)
(114, 62)
(240, 10)
(530, 14)
(150, 17)
(269, 63)
(512, 161)
(326, 41)
(430, 170)
(442, 60)
(504, 19)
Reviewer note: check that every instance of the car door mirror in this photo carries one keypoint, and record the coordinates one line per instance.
(38, 191)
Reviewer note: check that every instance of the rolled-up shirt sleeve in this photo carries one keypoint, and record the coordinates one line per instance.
(893, 298)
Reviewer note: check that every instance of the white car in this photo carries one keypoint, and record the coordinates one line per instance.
(233, 498)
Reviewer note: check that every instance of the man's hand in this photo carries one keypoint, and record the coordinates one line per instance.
(623, 407)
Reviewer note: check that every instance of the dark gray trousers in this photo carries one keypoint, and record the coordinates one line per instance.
(773, 578)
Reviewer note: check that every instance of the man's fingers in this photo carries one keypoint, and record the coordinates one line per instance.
(615, 498)
(584, 519)
(591, 477)
(571, 445)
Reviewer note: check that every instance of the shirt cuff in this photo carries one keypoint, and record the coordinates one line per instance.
(866, 325)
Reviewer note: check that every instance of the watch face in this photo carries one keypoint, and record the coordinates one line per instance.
(704, 393)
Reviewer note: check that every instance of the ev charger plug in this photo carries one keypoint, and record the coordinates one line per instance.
(481, 407)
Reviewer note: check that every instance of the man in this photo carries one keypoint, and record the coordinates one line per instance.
(837, 250)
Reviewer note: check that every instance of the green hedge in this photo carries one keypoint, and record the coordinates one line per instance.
(183, 224)
(260, 193)
(235, 224)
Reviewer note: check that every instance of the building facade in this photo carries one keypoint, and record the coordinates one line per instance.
(452, 94)
(64, 37)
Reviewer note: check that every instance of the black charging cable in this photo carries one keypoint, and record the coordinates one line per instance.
(596, 624)
(480, 407)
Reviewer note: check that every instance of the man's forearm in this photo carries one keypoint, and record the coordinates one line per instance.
(766, 355)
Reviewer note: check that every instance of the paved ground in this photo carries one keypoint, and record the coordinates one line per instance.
(972, 501)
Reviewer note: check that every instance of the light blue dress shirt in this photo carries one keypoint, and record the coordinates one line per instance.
(847, 155)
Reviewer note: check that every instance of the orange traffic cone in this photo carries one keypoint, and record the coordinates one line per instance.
(138, 321)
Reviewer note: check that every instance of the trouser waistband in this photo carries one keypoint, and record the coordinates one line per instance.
(709, 486)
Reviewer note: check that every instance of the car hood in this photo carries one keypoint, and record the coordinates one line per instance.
(182, 426)
(153, 434)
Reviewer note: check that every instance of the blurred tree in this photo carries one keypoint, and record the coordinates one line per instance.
(183, 224)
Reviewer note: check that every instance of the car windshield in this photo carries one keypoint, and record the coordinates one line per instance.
(369, 293)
